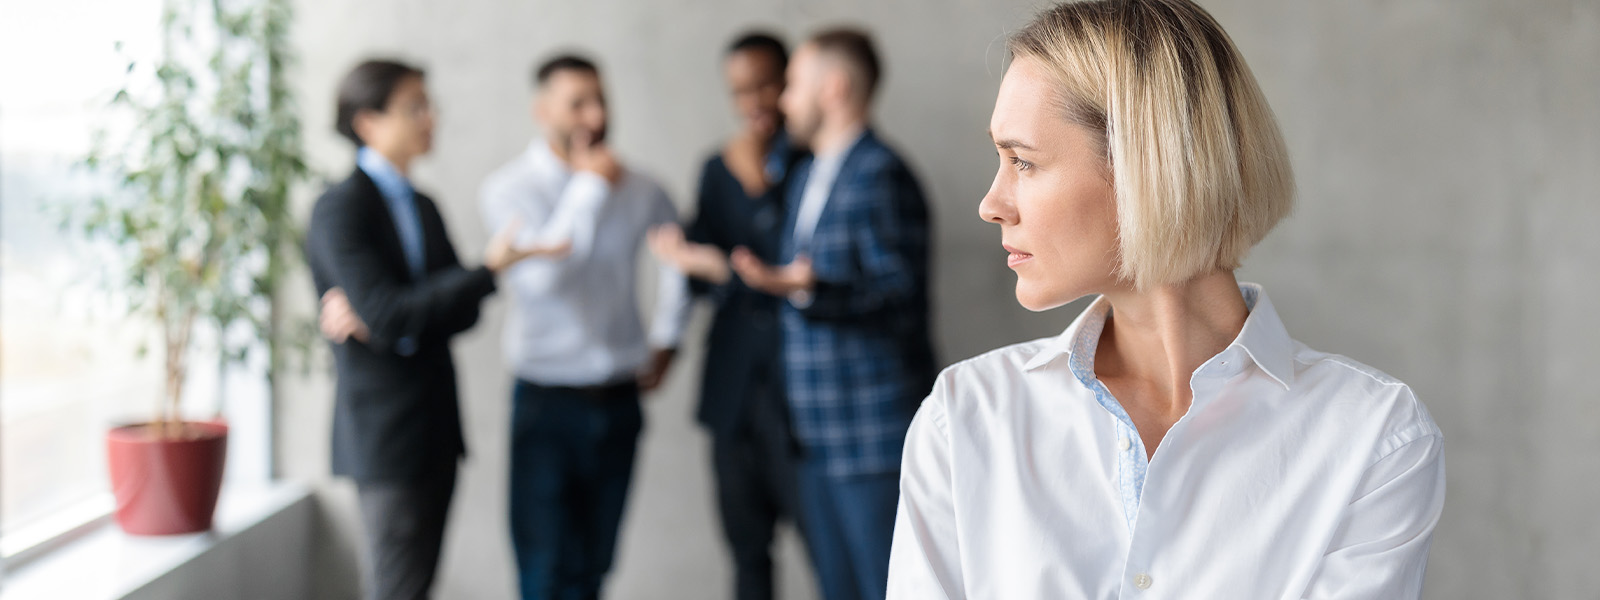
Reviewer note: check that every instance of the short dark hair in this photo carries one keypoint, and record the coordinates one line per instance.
(855, 48)
(760, 41)
(563, 62)
(368, 87)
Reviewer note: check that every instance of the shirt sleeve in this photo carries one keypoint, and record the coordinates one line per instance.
(1380, 550)
(574, 217)
(672, 288)
(925, 561)
(577, 214)
(701, 231)
(339, 244)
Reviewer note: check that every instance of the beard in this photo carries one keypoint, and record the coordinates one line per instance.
(803, 128)
(565, 137)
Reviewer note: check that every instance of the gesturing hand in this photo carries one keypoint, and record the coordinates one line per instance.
(780, 281)
(338, 321)
(504, 252)
(700, 261)
(594, 157)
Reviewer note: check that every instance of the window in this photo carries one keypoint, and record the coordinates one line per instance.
(69, 361)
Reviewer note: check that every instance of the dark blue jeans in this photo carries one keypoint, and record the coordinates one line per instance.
(572, 454)
(849, 527)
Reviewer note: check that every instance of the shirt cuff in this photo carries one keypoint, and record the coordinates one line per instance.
(664, 335)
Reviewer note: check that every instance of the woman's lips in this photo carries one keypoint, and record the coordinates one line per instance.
(1016, 257)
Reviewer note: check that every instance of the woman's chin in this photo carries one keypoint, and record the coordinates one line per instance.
(1037, 300)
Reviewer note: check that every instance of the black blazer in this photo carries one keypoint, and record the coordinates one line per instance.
(743, 346)
(393, 415)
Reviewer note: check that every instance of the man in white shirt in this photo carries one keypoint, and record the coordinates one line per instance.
(574, 338)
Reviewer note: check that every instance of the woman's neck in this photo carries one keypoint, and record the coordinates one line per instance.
(1155, 339)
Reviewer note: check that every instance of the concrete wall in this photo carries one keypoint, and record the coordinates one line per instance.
(1447, 153)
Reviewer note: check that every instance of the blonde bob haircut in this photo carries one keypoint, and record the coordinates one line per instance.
(1194, 154)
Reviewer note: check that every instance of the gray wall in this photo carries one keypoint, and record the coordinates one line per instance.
(1447, 153)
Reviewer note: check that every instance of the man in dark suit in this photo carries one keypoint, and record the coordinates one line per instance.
(856, 347)
(742, 404)
(393, 293)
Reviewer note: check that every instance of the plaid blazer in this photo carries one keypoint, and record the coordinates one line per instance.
(858, 358)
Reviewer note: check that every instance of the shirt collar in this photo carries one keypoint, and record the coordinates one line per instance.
(544, 159)
(383, 174)
(1263, 338)
(832, 160)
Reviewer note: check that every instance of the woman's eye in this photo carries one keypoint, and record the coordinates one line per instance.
(1020, 164)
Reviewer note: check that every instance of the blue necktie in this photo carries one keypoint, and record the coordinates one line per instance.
(410, 230)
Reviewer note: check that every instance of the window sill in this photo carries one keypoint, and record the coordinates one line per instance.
(20, 547)
(105, 563)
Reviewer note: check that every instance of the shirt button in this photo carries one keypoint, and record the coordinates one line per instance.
(1142, 581)
(1124, 444)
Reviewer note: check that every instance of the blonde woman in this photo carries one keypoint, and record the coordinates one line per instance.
(1174, 441)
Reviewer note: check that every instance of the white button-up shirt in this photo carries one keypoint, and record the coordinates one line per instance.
(1294, 474)
(575, 321)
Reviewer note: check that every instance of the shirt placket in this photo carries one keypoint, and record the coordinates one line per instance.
(1132, 461)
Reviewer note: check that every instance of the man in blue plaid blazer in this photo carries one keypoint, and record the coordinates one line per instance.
(857, 357)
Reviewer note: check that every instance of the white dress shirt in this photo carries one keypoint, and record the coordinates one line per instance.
(1294, 474)
(575, 321)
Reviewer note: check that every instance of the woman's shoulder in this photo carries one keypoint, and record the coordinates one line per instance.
(1002, 359)
(989, 374)
(1344, 383)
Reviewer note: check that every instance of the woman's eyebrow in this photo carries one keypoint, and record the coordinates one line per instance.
(1007, 144)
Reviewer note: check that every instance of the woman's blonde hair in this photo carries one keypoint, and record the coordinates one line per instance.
(1200, 170)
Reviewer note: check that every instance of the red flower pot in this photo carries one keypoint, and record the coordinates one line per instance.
(166, 484)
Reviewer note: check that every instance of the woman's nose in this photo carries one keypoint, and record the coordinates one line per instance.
(996, 206)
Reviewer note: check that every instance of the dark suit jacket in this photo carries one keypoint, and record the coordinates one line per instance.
(393, 415)
(859, 358)
(742, 348)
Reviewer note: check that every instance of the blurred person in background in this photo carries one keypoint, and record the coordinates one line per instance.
(393, 294)
(1139, 161)
(742, 403)
(580, 354)
(853, 274)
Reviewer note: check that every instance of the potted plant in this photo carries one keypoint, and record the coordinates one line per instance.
(200, 218)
